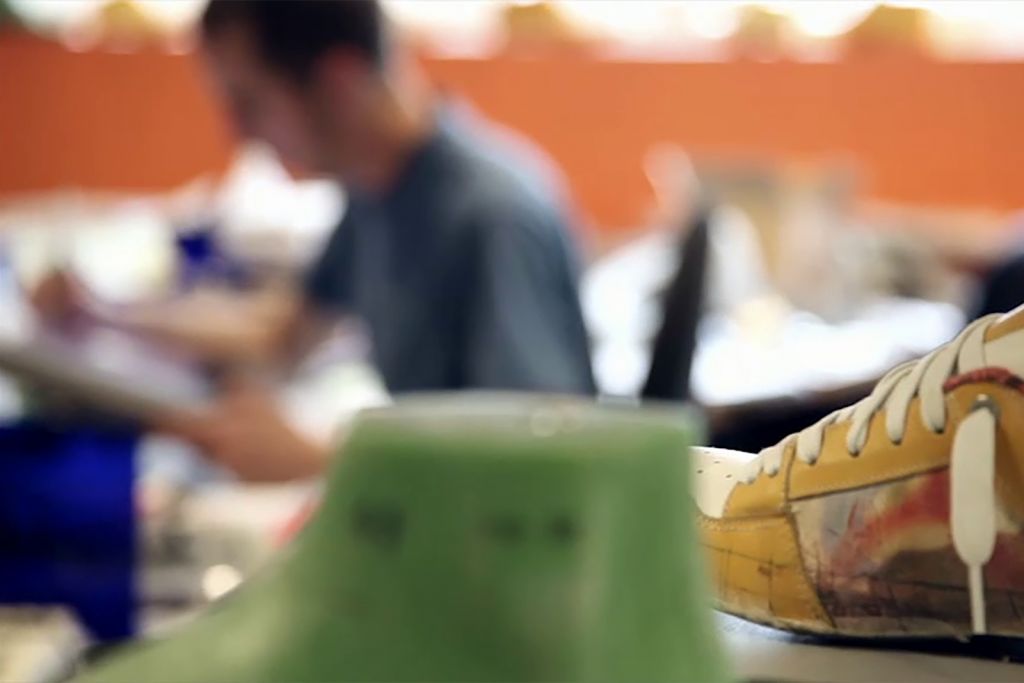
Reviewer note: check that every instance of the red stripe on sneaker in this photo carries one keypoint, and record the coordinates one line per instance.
(990, 375)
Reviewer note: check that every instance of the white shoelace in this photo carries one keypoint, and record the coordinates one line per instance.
(972, 463)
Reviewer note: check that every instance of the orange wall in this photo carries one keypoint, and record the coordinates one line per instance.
(924, 132)
(102, 120)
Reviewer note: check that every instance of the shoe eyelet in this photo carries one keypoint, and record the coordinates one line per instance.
(853, 454)
(896, 442)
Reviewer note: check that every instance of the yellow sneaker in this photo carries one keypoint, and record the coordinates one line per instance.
(900, 515)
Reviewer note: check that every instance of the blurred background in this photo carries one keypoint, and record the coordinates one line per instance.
(778, 201)
(859, 157)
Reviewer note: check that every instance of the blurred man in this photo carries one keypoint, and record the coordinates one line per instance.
(454, 250)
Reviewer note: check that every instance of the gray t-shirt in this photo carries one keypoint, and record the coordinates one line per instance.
(465, 273)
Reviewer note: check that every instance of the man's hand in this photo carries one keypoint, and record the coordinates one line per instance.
(58, 297)
(246, 433)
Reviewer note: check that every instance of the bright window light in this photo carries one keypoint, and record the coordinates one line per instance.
(174, 12)
(713, 20)
(56, 13)
(823, 19)
(965, 29)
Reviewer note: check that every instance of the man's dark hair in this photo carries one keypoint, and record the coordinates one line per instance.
(293, 34)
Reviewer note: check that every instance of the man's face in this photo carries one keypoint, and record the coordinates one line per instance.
(296, 119)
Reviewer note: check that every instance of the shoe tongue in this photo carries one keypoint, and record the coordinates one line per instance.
(1004, 342)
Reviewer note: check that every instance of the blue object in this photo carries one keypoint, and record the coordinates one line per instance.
(203, 258)
(67, 522)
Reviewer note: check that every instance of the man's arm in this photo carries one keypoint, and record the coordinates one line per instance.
(525, 326)
(270, 326)
(246, 430)
(221, 326)
(247, 433)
